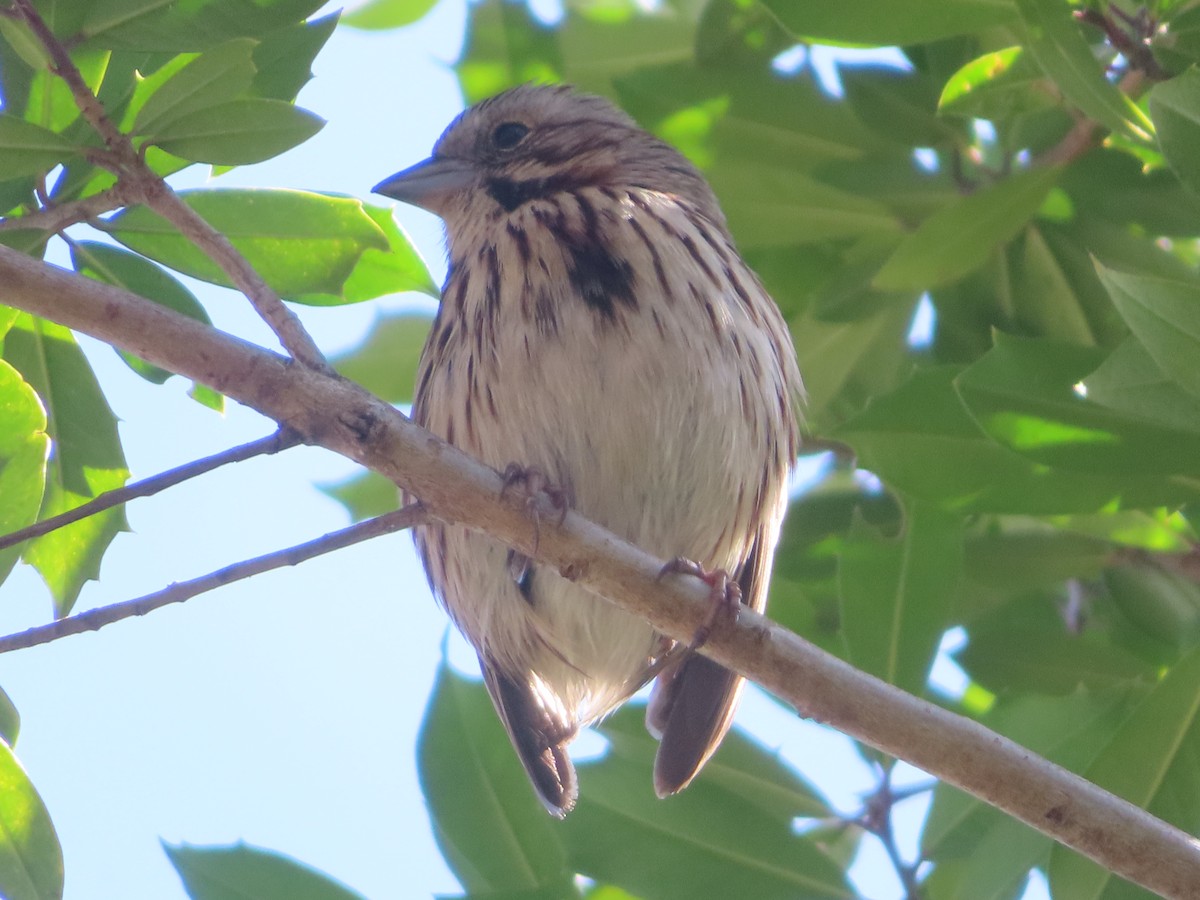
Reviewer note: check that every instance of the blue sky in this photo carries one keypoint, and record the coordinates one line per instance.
(282, 711)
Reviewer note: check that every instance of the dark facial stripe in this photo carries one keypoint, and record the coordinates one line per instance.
(512, 194)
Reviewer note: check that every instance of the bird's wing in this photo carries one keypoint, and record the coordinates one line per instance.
(539, 737)
(694, 700)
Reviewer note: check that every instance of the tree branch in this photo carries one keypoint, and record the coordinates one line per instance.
(94, 619)
(335, 413)
(147, 487)
(57, 216)
(141, 184)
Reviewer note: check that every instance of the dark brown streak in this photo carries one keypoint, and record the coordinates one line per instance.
(602, 279)
(719, 248)
(591, 222)
(468, 415)
(521, 239)
(694, 252)
(684, 239)
(544, 315)
(708, 307)
(738, 289)
(485, 331)
(461, 279)
(655, 258)
(662, 331)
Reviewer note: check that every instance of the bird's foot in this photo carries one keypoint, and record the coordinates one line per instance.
(725, 596)
(533, 484)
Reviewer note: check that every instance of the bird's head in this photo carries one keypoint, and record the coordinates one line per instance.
(533, 142)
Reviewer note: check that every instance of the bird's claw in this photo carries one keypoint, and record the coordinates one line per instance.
(534, 483)
(725, 595)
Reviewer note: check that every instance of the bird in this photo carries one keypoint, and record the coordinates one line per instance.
(601, 338)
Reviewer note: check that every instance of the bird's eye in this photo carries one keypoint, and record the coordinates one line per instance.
(508, 134)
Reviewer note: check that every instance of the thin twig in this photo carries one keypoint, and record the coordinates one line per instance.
(1086, 133)
(877, 819)
(280, 440)
(1132, 44)
(142, 184)
(56, 217)
(94, 619)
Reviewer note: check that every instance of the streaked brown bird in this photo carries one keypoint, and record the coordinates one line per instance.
(599, 329)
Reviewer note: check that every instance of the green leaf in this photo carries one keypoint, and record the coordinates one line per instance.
(715, 840)
(24, 446)
(237, 133)
(1113, 185)
(1151, 762)
(594, 53)
(51, 103)
(845, 363)
(242, 872)
(206, 396)
(897, 595)
(10, 719)
(1043, 659)
(28, 149)
(505, 47)
(86, 458)
(1028, 554)
(380, 14)
(284, 57)
(921, 439)
(137, 275)
(1161, 603)
(1045, 299)
(889, 22)
(301, 243)
(31, 863)
(960, 238)
(776, 206)
(1131, 382)
(717, 116)
(152, 25)
(996, 86)
(365, 495)
(379, 272)
(1155, 530)
(386, 362)
(1022, 392)
(493, 832)
(1175, 108)
(24, 44)
(1164, 315)
(215, 76)
(901, 106)
(1058, 45)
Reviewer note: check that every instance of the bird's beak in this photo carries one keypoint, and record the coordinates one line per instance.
(428, 184)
